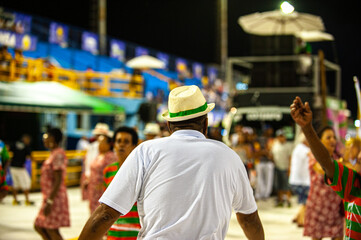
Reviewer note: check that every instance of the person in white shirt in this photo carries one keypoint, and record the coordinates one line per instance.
(281, 153)
(185, 185)
(299, 179)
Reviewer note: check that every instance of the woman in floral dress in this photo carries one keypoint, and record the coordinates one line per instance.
(54, 211)
(96, 185)
(324, 216)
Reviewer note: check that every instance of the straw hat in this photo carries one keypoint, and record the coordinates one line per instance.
(185, 103)
(152, 128)
(102, 129)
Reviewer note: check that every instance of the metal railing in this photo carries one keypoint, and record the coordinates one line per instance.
(73, 170)
(95, 83)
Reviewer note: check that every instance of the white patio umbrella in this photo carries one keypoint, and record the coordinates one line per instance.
(279, 23)
(145, 62)
(314, 36)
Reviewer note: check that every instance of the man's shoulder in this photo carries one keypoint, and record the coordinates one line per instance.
(153, 142)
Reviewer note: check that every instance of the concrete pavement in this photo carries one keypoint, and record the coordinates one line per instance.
(16, 222)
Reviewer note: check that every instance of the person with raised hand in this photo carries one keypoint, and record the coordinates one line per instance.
(344, 181)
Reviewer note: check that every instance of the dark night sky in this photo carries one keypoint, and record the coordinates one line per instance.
(188, 28)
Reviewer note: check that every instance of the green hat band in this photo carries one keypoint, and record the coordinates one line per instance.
(189, 112)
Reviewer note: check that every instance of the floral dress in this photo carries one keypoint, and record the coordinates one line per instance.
(96, 185)
(324, 216)
(59, 215)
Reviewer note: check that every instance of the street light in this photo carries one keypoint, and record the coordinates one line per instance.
(287, 8)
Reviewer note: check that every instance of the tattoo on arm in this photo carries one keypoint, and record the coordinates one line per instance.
(102, 219)
(99, 222)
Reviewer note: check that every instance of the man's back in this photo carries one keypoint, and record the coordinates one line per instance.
(185, 185)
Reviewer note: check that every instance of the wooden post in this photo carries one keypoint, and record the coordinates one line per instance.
(323, 87)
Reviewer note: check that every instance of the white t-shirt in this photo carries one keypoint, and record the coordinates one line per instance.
(299, 174)
(91, 154)
(281, 154)
(185, 186)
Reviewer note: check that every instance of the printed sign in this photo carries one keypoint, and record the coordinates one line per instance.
(212, 74)
(117, 50)
(58, 34)
(25, 42)
(164, 58)
(7, 38)
(197, 70)
(140, 51)
(90, 42)
(22, 23)
(181, 65)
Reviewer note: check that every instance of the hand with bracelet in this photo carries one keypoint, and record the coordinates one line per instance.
(48, 205)
(54, 212)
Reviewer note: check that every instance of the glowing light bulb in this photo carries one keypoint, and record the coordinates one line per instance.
(233, 110)
(287, 8)
(357, 123)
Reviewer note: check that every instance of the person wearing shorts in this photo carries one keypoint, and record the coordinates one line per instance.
(20, 176)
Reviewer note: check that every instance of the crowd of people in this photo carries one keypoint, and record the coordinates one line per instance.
(288, 168)
(16, 67)
(133, 185)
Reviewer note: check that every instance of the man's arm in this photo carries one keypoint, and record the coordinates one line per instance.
(302, 115)
(99, 222)
(251, 225)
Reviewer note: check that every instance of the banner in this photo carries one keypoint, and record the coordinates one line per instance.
(22, 23)
(117, 49)
(24, 42)
(90, 42)
(181, 65)
(58, 34)
(164, 58)
(140, 51)
(197, 70)
(212, 74)
(7, 38)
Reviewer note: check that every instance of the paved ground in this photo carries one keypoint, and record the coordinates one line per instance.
(16, 222)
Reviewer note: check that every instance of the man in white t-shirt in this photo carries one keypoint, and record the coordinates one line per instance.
(185, 185)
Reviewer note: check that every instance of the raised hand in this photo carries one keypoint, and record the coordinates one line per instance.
(301, 113)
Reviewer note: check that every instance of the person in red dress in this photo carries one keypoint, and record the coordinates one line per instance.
(324, 216)
(105, 157)
(54, 211)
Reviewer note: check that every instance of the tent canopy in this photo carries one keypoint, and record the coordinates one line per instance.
(51, 96)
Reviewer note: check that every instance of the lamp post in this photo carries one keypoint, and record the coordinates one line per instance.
(102, 26)
(223, 34)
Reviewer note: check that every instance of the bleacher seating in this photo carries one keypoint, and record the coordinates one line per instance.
(74, 59)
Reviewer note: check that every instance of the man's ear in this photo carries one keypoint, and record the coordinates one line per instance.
(170, 131)
(205, 127)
